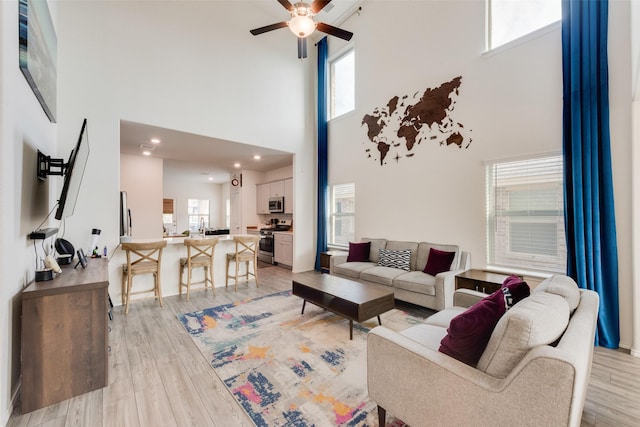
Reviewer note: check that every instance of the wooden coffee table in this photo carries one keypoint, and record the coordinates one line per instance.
(344, 297)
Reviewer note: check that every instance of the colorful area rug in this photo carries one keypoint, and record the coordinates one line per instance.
(288, 369)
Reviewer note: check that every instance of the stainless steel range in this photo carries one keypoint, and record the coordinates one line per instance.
(265, 250)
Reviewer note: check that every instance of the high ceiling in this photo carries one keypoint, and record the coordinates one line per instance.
(212, 158)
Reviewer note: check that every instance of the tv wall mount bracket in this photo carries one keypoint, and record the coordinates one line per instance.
(50, 166)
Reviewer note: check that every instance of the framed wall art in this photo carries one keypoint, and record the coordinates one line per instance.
(38, 53)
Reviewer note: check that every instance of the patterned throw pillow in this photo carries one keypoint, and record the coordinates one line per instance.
(400, 258)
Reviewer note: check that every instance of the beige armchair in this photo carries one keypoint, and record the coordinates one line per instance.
(517, 381)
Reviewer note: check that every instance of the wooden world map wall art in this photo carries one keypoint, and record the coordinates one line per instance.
(403, 123)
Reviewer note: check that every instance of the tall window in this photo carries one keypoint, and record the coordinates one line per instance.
(342, 84)
(525, 215)
(512, 19)
(198, 211)
(342, 217)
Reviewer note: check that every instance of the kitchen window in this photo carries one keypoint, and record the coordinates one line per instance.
(525, 215)
(198, 211)
(342, 216)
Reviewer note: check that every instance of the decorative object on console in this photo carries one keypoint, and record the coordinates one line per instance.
(302, 25)
(93, 246)
(359, 252)
(438, 261)
(65, 251)
(82, 259)
(425, 117)
(469, 332)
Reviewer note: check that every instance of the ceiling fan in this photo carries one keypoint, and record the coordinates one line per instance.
(302, 25)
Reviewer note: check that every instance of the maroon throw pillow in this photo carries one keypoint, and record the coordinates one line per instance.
(469, 332)
(438, 261)
(359, 252)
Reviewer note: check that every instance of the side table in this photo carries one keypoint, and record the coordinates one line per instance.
(325, 259)
(480, 280)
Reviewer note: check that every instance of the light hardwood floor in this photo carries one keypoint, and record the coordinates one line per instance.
(157, 376)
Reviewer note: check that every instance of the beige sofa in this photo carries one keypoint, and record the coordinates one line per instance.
(414, 286)
(534, 370)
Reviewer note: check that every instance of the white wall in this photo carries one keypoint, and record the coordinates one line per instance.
(277, 174)
(24, 201)
(141, 178)
(181, 185)
(510, 104)
(184, 66)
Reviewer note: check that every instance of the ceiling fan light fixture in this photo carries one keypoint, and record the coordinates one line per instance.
(302, 26)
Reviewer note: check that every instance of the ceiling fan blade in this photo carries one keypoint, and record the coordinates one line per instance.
(302, 47)
(334, 31)
(286, 4)
(318, 5)
(266, 28)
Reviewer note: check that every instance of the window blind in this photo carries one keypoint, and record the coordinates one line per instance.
(525, 214)
(342, 218)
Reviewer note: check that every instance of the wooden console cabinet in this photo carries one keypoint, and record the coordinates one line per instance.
(64, 335)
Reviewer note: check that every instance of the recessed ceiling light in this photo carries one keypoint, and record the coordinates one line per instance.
(257, 157)
(236, 165)
(210, 178)
(147, 149)
(155, 140)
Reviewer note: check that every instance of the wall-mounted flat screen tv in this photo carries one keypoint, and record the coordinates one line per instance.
(73, 174)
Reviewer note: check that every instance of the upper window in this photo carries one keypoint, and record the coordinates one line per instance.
(342, 84)
(525, 215)
(342, 217)
(512, 19)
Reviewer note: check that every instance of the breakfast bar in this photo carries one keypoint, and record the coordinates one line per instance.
(170, 268)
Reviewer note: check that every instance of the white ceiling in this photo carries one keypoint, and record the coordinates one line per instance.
(213, 157)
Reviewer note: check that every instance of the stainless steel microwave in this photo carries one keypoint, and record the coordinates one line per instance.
(276, 204)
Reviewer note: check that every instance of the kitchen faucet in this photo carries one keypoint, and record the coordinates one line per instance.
(202, 225)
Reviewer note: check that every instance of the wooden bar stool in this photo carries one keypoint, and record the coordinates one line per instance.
(142, 258)
(246, 251)
(199, 254)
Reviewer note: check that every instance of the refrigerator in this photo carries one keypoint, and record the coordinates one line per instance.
(125, 217)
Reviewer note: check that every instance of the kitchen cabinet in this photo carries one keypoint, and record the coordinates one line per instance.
(263, 192)
(283, 248)
(281, 188)
(288, 196)
(277, 189)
